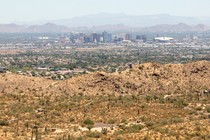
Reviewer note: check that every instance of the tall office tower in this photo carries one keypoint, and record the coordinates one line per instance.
(107, 37)
(128, 37)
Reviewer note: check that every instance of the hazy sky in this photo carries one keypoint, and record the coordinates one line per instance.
(32, 10)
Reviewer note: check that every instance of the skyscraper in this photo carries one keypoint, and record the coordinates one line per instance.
(107, 37)
(128, 37)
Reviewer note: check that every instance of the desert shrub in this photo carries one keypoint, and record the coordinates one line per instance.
(72, 119)
(208, 109)
(195, 134)
(119, 132)
(180, 103)
(163, 122)
(4, 123)
(25, 109)
(123, 121)
(148, 98)
(56, 113)
(161, 100)
(162, 130)
(104, 131)
(102, 112)
(198, 108)
(88, 121)
(149, 123)
(134, 128)
(123, 127)
(177, 120)
(111, 121)
(191, 112)
(143, 106)
(94, 135)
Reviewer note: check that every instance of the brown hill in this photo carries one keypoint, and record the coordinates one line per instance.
(47, 28)
(144, 78)
(149, 77)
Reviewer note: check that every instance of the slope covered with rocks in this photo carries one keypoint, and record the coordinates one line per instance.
(143, 78)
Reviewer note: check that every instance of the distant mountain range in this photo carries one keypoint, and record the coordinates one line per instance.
(114, 23)
(181, 27)
(11, 28)
(45, 28)
(53, 28)
(129, 20)
(48, 27)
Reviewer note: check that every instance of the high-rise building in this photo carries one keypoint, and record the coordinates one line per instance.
(95, 37)
(128, 37)
(87, 39)
(141, 37)
(106, 37)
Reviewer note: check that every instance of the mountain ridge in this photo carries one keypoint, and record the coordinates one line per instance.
(129, 20)
(143, 78)
(54, 28)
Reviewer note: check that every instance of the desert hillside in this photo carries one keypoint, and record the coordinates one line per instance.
(143, 78)
(146, 101)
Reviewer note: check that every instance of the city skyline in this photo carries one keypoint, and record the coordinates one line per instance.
(27, 10)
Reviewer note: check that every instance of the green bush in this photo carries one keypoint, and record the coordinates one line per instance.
(134, 128)
(180, 103)
(111, 121)
(88, 121)
(4, 123)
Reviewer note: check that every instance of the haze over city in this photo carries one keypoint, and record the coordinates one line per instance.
(29, 10)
